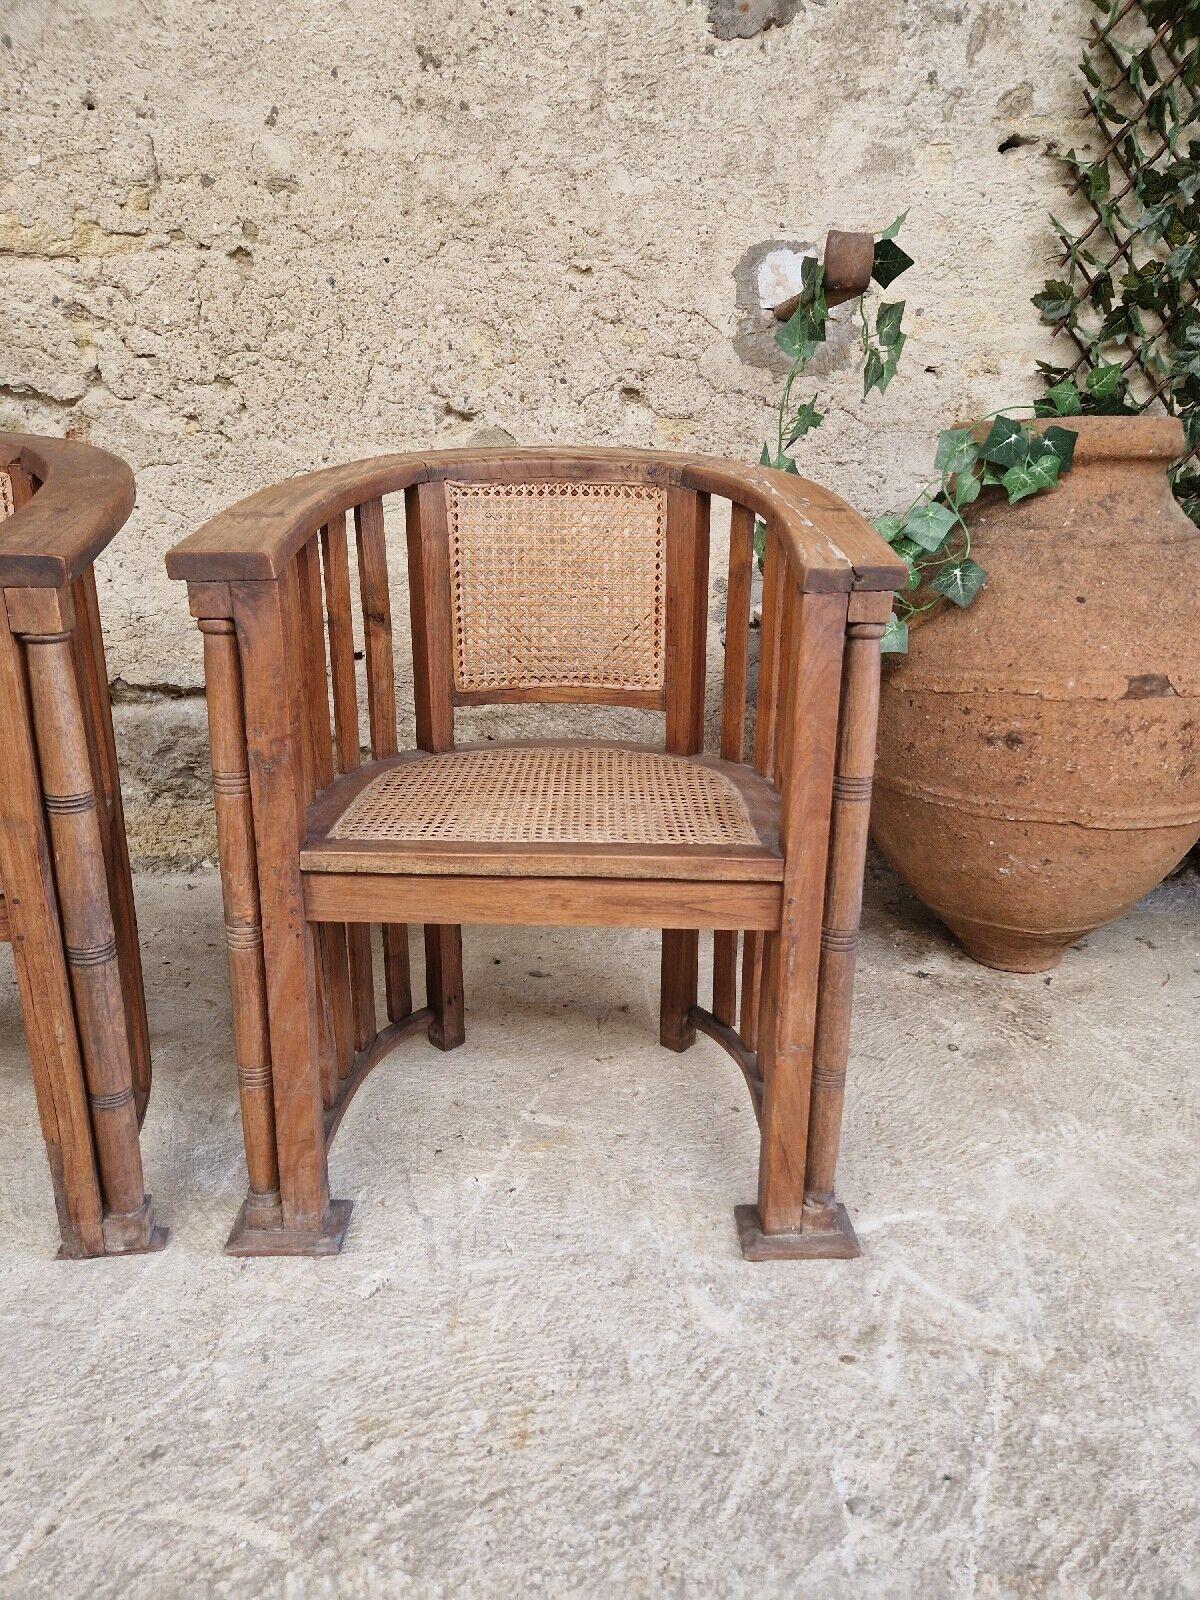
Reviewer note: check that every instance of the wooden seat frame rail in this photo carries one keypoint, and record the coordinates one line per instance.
(269, 582)
(66, 896)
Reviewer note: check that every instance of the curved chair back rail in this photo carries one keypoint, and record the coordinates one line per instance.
(67, 896)
(830, 546)
(83, 498)
(550, 575)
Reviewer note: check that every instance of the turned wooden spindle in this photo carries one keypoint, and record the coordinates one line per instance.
(807, 737)
(243, 922)
(843, 910)
(92, 669)
(70, 801)
(267, 616)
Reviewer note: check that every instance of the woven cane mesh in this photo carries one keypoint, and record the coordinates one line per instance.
(556, 794)
(6, 496)
(557, 585)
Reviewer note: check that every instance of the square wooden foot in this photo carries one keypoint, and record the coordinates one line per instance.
(135, 1234)
(324, 1241)
(837, 1243)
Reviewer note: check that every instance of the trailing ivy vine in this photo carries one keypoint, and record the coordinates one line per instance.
(931, 534)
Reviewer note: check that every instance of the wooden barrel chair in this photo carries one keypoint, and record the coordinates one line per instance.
(66, 900)
(537, 576)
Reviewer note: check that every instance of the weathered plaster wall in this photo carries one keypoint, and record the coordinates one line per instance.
(240, 238)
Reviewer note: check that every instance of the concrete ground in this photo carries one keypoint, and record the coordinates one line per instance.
(541, 1365)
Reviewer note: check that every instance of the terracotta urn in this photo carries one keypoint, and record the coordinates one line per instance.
(1039, 752)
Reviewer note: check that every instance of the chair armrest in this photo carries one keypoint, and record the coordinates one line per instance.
(85, 497)
(256, 538)
(828, 544)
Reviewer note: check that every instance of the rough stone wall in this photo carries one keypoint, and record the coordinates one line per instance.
(242, 238)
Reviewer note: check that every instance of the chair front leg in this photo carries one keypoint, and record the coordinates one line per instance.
(267, 620)
(72, 798)
(789, 1003)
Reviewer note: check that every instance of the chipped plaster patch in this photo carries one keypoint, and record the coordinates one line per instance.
(766, 275)
(742, 19)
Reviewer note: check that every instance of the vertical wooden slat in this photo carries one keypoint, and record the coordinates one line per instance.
(243, 920)
(41, 969)
(686, 655)
(429, 598)
(737, 633)
(733, 723)
(268, 626)
(795, 950)
(336, 563)
(764, 755)
(429, 593)
(843, 904)
(381, 709)
(331, 937)
(687, 619)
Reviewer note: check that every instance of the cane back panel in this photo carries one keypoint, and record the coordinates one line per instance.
(557, 585)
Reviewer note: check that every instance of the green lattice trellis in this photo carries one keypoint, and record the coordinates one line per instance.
(1128, 297)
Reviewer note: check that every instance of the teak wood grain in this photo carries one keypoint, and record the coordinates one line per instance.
(64, 863)
(788, 889)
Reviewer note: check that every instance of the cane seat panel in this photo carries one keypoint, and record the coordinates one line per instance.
(530, 802)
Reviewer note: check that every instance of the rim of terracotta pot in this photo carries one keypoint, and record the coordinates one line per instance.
(1137, 438)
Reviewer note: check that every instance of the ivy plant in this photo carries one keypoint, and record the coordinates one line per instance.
(932, 534)
(880, 340)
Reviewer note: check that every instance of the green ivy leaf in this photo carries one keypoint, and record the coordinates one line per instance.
(928, 524)
(887, 322)
(1007, 444)
(960, 583)
(889, 261)
(956, 451)
(765, 459)
(964, 488)
(1055, 301)
(893, 228)
(1064, 397)
(1030, 477)
(793, 339)
(805, 420)
(1061, 442)
(873, 371)
(1101, 382)
(895, 637)
(888, 526)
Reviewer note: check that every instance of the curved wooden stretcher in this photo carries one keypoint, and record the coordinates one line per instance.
(66, 899)
(538, 576)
